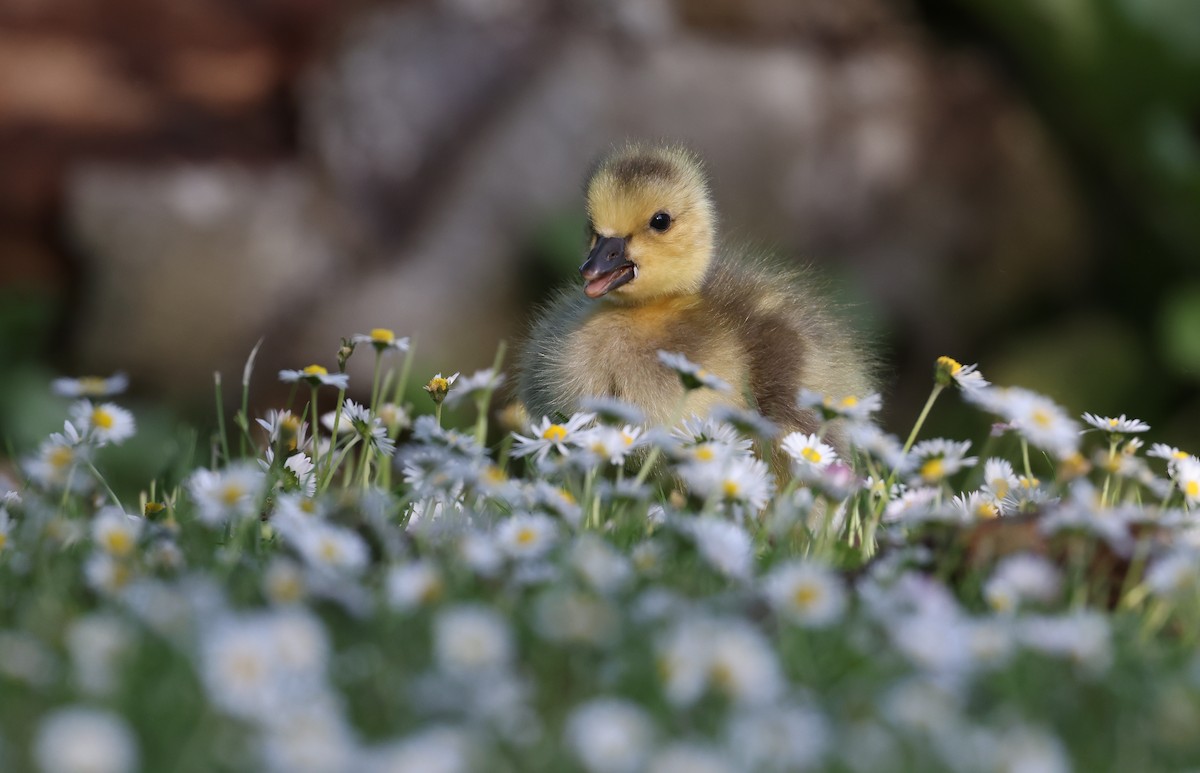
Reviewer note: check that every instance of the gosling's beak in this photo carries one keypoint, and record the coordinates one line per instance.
(606, 267)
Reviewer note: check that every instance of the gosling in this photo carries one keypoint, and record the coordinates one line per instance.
(653, 280)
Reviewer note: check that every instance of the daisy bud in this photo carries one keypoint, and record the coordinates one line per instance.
(945, 370)
(439, 386)
(343, 353)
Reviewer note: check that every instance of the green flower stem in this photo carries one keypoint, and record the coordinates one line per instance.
(655, 452)
(375, 382)
(104, 483)
(1025, 460)
(315, 438)
(221, 415)
(405, 369)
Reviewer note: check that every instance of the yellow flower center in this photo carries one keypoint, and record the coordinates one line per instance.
(1041, 418)
(555, 433)
(153, 508)
(494, 474)
(933, 470)
(1192, 489)
(315, 370)
(3, 540)
(231, 494)
(308, 506)
(987, 510)
(1112, 422)
(118, 542)
(627, 438)
(329, 550)
(849, 402)
(598, 447)
(381, 335)
(731, 488)
(431, 592)
(102, 419)
(804, 596)
(1028, 483)
(950, 364)
(61, 456)
(1000, 488)
(526, 536)
(1179, 455)
(438, 384)
(567, 496)
(92, 385)
(705, 453)
(812, 455)
(722, 675)
(286, 587)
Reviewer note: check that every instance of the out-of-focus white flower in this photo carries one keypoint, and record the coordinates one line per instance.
(487, 380)
(1118, 426)
(610, 735)
(1022, 577)
(690, 757)
(727, 655)
(999, 480)
(742, 481)
(55, 462)
(778, 738)
(412, 585)
(1187, 477)
(575, 617)
(472, 640)
(695, 431)
(1175, 575)
(97, 643)
(852, 407)
(949, 371)
(228, 494)
(328, 547)
(608, 442)
(975, 506)
(285, 428)
(527, 535)
(605, 569)
(1081, 637)
(106, 574)
(382, 339)
(437, 749)
(78, 739)
(806, 593)
(1023, 749)
(283, 581)
(115, 532)
(315, 375)
(724, 546)
(1038, 418)
(103, 424)
(308, 737)
(692, 375)
(937, 459)
(90, 386)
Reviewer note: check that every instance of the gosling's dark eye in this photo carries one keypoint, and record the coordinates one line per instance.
(660, 222)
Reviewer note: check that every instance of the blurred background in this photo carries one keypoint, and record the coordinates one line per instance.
(1009, 182)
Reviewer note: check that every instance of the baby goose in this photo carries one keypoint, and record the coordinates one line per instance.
(653, 281)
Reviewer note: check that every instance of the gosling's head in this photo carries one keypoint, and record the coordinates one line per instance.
(651, 223)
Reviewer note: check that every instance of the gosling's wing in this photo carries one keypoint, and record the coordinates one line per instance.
(794, 334)
(547, 382)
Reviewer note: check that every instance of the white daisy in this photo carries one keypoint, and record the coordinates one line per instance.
(740, 480)
(609, 442)
(806, 593)
(548, 435)
(975, 506)
(1117, 426)
(873, 441)
(809, 455)
(612, 411)
(938, 459)
(77, 739)
(999, 480)
(57, 458)
(1187, 478)
(603, 568)
(328, 547)
(315, 375)
(745, 421)
(285, 428)
(1171, 454)
(90, 386)
(1038, 418)
(439, 386)
(409, 586)
(692, 375)
(850, 407)
(695, 431)
(778, 738)
(725, 546)
(527, 536)
(370, 428)
(966, 377)
(1019, 578)
(231, 493)
(472, 640)
(382, 339)
(102, 424)
(116, 533)
(487, 380)
(610, 735)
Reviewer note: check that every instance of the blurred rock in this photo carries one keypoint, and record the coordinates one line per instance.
(446, 133)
